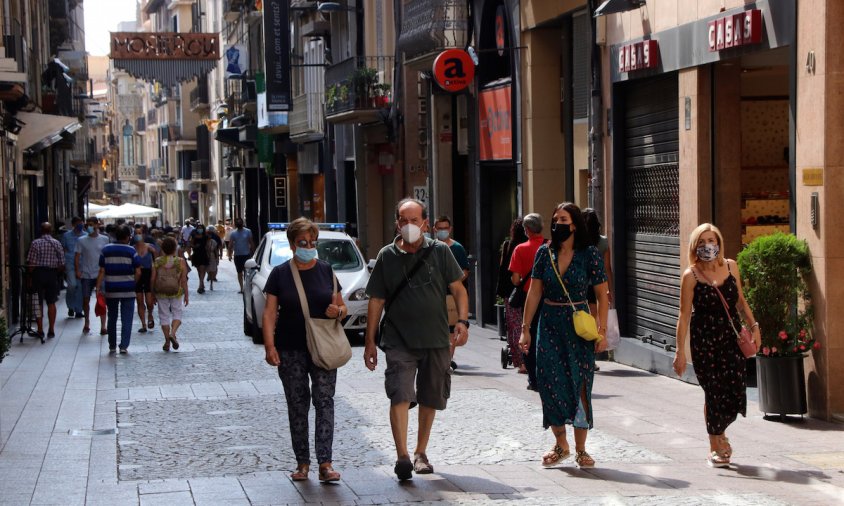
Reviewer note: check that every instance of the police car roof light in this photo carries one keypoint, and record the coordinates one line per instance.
(338, 227)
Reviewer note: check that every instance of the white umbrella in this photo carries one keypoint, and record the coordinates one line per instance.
(130, 211)
(92, 208)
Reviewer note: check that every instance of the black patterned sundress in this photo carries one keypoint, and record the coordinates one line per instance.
(718, 361)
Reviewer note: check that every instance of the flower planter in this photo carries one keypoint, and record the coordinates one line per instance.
(782, 385)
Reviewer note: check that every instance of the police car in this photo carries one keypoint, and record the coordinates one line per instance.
(334, 246)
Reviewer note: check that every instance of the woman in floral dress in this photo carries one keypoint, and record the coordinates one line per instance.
(512, 315)
(565, 362)
(718, 361)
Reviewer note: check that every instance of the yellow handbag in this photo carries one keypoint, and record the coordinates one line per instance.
(584, 323)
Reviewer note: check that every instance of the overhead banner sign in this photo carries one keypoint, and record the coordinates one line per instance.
(638, 56)
(277, 54)
(496, 130)
(735, 30)
(168, 57)
(164, 46)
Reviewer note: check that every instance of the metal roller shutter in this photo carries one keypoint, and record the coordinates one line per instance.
(651, 152)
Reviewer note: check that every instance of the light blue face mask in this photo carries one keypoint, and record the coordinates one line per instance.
(90, 229)
(305, 255)
(442, 235)
(139, 238)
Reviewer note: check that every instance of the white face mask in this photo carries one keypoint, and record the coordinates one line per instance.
(411, 233)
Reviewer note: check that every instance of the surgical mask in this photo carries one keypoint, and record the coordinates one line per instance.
(305, 255)
(560, 232)
(139, 238)
(442, 235)
(708, 252)
(79, 227)
(201, 230)
(90, 229)
(411, 233)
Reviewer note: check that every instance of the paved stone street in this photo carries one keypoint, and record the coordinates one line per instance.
(208, 425)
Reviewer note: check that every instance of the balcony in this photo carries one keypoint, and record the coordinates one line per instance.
(199, 96)
(129, 173)
(358, 90)
(152, 116)
(200, 170)
(233, 8)
(306, 118)
(142, 172)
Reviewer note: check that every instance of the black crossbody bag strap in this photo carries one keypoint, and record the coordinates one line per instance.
(402, 285)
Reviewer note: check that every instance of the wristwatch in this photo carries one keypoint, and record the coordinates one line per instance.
(464, 322)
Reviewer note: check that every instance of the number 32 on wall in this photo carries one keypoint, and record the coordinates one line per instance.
(421, 193)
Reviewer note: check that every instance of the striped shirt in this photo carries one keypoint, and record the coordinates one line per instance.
(119, 261)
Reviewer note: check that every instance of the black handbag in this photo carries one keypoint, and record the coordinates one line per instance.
(517, 296)
(391, 297)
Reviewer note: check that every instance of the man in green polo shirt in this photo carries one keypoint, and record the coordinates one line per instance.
(415, 336)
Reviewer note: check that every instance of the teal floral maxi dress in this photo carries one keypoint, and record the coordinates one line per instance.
(565, 362)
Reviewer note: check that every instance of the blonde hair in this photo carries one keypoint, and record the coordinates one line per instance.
(695, 237)
(301, 226)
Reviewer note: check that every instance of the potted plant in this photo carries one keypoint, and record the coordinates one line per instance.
(382, 94)
(775, 272)
(364, 80)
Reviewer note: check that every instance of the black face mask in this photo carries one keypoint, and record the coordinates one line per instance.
(560, 232)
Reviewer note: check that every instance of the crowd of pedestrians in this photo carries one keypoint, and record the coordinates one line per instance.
(417, 315)
(130, 266)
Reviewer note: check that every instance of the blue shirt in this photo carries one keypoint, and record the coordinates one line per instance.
(240, 239)
(68, 241)
(119, 262)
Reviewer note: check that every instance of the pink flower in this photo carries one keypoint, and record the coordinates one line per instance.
(816, 346)
(802, 334)
(773, 349)
(802, 347)
(766, 351)
(783, 335)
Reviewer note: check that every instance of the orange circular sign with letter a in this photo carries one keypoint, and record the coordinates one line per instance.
(454, 69)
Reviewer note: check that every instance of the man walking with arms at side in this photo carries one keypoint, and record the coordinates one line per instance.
(443, 229)
(87, 266)
(46, 261)
(410, 280)
(240, 242)
(120, 270)
(74, 292)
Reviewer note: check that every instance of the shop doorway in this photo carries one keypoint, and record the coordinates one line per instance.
(498, 191)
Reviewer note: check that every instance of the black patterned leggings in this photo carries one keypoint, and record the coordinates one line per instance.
(294, 370)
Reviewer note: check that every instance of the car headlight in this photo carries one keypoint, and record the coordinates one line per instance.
(359, 294)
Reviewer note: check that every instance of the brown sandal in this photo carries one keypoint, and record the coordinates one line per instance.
(327, 473)
(555, 455)
(584, 460)
(301, 473)
(726, 449)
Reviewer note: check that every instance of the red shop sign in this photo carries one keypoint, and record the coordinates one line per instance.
(735, 30)
(496, 133)
(454, 69)
(638, 56)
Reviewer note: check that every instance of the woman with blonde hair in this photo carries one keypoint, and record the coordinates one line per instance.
(717, 359)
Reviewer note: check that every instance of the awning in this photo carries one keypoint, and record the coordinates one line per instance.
(613, 6)
(240, 137)
(40, 131)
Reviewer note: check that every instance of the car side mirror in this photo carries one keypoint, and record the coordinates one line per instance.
(371, 264)
(250, 264)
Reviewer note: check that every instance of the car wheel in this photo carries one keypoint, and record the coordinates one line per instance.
(247, 325)
(257, 334)
(354, 335)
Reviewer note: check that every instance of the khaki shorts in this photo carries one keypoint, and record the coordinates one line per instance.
(428, 368)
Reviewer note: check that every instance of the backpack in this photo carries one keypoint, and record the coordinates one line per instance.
(167, 278)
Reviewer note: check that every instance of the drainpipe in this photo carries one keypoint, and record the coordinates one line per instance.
(596, 121)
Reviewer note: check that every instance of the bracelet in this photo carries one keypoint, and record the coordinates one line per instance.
(756, 324)
(525, 325)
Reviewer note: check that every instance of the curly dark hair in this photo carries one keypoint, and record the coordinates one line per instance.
(593, 225)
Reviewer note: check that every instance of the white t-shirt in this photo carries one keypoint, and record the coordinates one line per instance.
(89, 249)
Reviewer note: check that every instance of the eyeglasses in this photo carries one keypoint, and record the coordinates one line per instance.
(304, 244)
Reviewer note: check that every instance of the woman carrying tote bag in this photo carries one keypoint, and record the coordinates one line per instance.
(285, 343)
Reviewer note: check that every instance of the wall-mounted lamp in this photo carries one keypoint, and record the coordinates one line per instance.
(810, 62)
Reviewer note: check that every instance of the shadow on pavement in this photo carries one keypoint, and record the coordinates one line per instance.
(626, 373)
(769, 474)
(625, 477)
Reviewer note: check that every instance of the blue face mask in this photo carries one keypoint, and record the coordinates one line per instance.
(442, 235)
(305, 255)
(90, 229)
(139, 238)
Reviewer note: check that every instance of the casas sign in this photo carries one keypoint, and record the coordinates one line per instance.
(454, 69)
(638, 56)
(735, 30)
